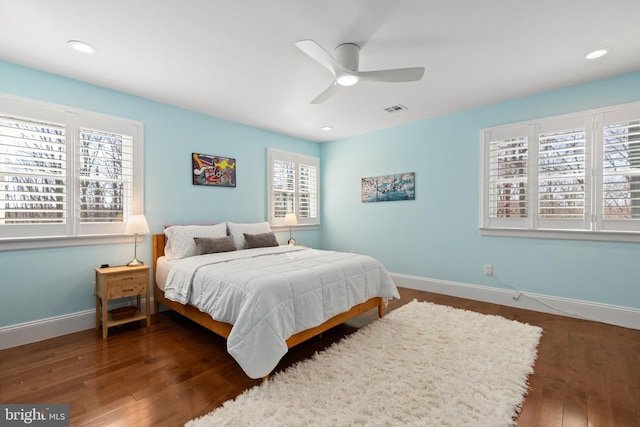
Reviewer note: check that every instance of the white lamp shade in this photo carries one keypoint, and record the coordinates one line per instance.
(290, 219)
(137, 224)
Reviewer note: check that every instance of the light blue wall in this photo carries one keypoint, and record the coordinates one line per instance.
(437, 235)
(38, 284)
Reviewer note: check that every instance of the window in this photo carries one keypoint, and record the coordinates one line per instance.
(65, 174)
(571, 176)
(293, 187)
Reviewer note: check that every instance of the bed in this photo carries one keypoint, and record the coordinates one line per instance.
(263, 298)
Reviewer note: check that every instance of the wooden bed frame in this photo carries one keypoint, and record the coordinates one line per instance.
(223, 329)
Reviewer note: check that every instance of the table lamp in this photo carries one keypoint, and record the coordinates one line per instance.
(290, 219)
(137, 224)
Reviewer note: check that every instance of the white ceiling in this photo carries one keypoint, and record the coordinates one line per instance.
(237, 60)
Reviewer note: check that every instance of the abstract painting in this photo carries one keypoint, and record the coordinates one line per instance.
(388, 188)
(213, 170)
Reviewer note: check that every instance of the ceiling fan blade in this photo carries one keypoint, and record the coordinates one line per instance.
(315, 51)
(326, 94)
(395, 75)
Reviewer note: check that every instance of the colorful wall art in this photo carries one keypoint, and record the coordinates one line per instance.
(388, 188)
(213, 170)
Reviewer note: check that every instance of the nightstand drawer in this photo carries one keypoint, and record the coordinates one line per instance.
(124, 279)
(126, 290)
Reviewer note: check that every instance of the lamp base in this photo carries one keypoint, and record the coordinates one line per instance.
(135, 262)
(291, 241)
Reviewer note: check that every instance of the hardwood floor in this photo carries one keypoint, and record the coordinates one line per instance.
(586, 374)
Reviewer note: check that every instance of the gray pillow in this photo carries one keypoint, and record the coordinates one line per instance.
(262, 240)
(207, 245)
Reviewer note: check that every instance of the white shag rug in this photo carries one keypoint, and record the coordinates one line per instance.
(422, 364)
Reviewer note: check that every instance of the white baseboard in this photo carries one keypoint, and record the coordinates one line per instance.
(614, 315)
(26, 333)
(38, 330)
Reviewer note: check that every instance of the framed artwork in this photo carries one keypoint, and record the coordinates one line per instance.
(389, 188)
(213, 170)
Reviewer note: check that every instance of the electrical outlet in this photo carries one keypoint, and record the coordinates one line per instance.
(488, 270)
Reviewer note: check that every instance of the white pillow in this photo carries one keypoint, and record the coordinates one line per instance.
(238, 230)
(180, 243)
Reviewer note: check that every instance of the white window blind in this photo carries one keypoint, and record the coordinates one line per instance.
(284, 187)
(621, 192)
(33, 162)
(620, 195)
(308, 192)
(106, 174)
(508, 172)
(561, 174)
(65, 173)
(293, 187)
(563, 191)
(582, 175)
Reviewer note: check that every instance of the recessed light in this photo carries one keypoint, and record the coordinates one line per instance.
(81, 46)
(598, 53)
(327, 127)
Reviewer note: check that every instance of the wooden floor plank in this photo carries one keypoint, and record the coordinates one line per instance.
(586, 374)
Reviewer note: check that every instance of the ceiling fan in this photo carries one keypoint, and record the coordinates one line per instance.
(344, 66)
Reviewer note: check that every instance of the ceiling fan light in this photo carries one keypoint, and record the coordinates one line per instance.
(347, 80)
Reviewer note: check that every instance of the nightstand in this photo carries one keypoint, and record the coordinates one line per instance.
(121, 282)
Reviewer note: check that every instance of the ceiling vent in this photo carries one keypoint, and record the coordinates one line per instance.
(395, 108)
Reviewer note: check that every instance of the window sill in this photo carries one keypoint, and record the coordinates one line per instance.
(63, 242)
(299, 227)
(597, 236)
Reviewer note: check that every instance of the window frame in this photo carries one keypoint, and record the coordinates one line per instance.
(274, 155)
(592, 226)
(74, 232)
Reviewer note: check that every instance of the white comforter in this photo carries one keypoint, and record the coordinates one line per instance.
(269, 294)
